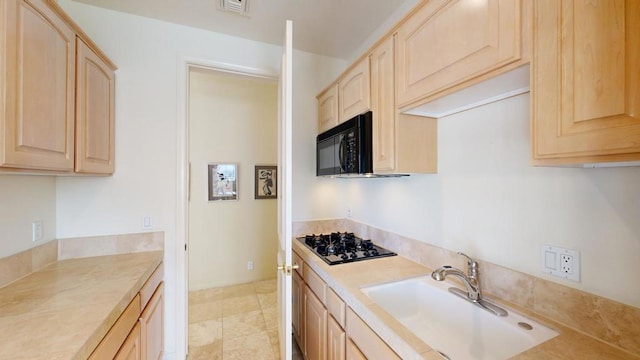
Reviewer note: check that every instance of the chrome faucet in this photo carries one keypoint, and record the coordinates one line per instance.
(471, 281)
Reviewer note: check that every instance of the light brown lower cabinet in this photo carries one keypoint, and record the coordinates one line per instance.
(315, 310)
(151, 326)
(138, 332)
(336, 338)
(296, 309)
(131, 349)
(315, 340)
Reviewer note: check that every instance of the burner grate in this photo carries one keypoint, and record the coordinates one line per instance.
(340, 248)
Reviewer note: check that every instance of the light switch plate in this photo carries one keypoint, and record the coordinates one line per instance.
(36, 231)
(147, 222)
(560, 262)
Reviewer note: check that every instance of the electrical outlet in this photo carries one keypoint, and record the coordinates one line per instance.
(566, 264)
(561, 262)
(348, 213)
(250, 265)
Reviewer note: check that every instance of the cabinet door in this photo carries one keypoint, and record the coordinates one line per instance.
(353, 353)
(94, 113)
(328, 109)
(315, 323)
(130, 349)
(336, 338)
(448, 42)
(296, 308)
(37, 61)
(383, 107)
(354, 91)
(585, 76)
(151, 321)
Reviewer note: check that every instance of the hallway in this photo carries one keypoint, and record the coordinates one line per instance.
(234, 322)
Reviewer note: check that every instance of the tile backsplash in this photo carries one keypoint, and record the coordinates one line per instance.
(602, 318)
(16, 266)
(23, 263)
(110, 245)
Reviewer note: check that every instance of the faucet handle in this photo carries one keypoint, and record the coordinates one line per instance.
(471, 263)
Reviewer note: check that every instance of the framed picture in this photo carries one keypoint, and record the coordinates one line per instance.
(266, 182)
(223, 182)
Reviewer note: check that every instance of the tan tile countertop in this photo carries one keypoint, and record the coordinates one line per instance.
(347, 280)
(63, 310)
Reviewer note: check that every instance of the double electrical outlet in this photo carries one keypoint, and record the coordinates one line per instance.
(561, 262)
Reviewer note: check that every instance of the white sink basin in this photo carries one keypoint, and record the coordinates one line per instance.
(453, 326)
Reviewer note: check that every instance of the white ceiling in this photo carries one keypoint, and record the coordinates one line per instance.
(334, 28)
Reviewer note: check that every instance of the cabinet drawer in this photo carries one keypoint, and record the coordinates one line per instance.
(366, 339)
(336, 307)
(297, 260)
(111, 343)
(316, 284)
(151, 285)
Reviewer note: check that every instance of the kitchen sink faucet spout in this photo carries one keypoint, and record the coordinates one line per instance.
(470, 281)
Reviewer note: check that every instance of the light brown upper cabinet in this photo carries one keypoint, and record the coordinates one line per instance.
(401, 143)
(95, 116)
(37, 60)
(354, 92)
(383, 107)
(347, 97)
(447, 43)
(328, 108)
(46, 126)
(585, 97)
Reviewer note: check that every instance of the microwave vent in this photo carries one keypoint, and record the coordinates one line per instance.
(239, 7)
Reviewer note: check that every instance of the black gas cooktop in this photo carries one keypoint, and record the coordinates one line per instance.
(339, 248)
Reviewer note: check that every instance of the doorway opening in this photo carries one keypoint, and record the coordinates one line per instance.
(231, 118)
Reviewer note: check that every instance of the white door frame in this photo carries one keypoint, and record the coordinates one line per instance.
(185, 63)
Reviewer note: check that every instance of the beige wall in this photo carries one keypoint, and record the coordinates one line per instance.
(232, 118)
(489, 202)
(23, 200)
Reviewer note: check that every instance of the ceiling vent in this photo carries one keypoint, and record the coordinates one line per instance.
(239, 7)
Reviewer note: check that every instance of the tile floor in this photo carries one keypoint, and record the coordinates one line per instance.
(234, 322)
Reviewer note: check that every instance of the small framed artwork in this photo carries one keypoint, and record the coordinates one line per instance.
(266, 182)
(223, 182)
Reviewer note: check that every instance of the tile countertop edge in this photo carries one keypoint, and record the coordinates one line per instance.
(101, 331)
(406, 344)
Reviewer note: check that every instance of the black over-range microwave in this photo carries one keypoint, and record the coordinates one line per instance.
(346, 150)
